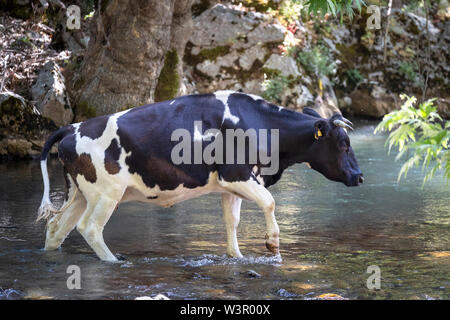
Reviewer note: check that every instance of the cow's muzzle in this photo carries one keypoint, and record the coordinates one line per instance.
(356, 180)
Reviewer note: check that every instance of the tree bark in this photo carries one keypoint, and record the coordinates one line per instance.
(126, 53)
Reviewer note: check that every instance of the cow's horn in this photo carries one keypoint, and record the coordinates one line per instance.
(347, 121)
(342, 124)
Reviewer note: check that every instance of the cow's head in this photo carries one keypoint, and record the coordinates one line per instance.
(331, 153)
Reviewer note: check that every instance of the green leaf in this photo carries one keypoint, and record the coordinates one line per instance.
(422, 133)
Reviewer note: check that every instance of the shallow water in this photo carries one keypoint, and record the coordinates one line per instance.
(330, 234)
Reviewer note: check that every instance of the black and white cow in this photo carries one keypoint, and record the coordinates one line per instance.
(126, 156)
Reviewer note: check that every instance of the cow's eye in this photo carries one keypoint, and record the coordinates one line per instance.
(344, 147)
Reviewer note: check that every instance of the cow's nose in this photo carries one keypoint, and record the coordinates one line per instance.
(360, 179)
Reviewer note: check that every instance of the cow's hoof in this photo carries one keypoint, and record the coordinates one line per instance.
(235, 255)
(49, 247)
(273, 246)
(52, 244)
(121, 257)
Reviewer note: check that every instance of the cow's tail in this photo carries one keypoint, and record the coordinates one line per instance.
(46, 208)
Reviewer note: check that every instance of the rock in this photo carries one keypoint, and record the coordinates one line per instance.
(250, 56)
(347, 101)
(329, 296)
(228, 46)
(252, 274)
(421, 23)
(18, 117)
(304, 96)
(38, 297)
(341, 34)
(324, 107)
(284, 64)
(372, 102)
(404, 70)
(221, 25)
(212, 68)
(225, 25)
(157, 297)
(22, 128)
(329, 92)
(443, 107)
(297, 97)
(49, 92)
(286, 294)
(13, 111)
(253, 86)
(265, 33)
(17, 147)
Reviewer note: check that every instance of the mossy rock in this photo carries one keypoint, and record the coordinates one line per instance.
(205, 54)
(349, 55)
(19, 118)
(84, 111)
(262, 5)
(271, 73)
(198, 8)
(169, 79)
(16, 9)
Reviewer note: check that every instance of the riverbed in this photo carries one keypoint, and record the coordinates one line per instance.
(330, 235)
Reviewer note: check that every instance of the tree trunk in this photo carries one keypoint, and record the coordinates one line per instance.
(397, 4)
(126, 53)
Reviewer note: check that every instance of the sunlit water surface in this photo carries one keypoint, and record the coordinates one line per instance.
(330, 234)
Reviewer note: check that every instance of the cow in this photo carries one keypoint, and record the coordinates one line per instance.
(128, 156)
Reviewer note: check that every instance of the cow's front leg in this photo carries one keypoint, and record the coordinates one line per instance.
(231, 206)
(252, 190)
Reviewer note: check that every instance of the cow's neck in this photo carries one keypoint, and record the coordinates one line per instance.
(296, 136)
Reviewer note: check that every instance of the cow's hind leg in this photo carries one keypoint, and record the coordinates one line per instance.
(98, 211)
(60, 225)
(254, 191)
(231, 206)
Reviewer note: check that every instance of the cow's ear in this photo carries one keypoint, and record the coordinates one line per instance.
(311, 112)
(321, 129)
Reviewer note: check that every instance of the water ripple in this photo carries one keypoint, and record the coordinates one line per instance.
(212, 259)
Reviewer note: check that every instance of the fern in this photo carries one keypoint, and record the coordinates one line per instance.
(420, 132)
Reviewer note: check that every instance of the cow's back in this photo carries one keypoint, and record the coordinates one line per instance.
(145, 134)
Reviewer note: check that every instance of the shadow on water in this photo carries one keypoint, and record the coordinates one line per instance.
(330, 234)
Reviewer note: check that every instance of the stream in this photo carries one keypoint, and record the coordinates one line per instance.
(329, 236)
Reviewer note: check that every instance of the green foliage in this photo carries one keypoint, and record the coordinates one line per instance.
(368, 39)
(414, 5)
(409, 71)
(354, 76)
(21, 42)
(421, 134)
(335, 7)
(317, 61)
(169, 79)
(84, 110)
(290, 10)
(89, 15)
(272, 88)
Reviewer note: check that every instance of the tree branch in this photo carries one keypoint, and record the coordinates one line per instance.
(386, 31)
